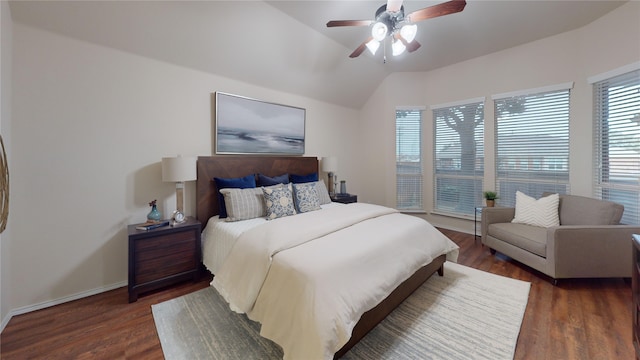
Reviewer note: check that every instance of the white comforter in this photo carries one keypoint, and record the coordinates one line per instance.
(308, 278)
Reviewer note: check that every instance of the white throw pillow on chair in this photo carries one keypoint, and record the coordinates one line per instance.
(542, 212)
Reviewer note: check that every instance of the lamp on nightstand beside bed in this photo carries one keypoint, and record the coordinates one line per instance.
(179, 169)
(330, 165)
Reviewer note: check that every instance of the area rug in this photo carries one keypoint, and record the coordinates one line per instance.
(465, 314)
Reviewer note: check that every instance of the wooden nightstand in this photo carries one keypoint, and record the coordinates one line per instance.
(163, 256)
(345, 199)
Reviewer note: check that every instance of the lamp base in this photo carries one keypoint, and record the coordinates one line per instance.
(178, 216)
(330, 185)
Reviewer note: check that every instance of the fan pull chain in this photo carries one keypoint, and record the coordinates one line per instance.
(384, 49)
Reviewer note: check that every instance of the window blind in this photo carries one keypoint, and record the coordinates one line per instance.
(409, 160)
(617, 142)
(532, 144)
(458, 157)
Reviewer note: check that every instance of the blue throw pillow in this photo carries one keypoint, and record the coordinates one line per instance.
(246, 182)
(264, 180)
(298, 179)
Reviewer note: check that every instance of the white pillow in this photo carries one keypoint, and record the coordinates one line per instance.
(323, 193)
(542, 212)
(243, 204)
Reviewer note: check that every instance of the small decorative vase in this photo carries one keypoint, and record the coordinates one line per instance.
(343, 187)
(154, 214)
(491, 203)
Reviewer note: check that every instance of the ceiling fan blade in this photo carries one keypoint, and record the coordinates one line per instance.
(334, 23)
(394, 5)
(360, 48)
(412, 46)
(446, 8)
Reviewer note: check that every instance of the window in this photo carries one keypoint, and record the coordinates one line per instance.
(617, 142)
(459, 156)
(409, 159)
(532, 142)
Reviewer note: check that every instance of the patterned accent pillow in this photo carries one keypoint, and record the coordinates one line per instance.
(323, 193)
(542, 212)
(278, 201)
(243, 204)
(306, 197)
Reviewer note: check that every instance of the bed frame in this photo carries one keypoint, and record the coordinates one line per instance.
(239, 166)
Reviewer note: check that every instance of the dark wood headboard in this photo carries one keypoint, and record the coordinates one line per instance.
(240, 166)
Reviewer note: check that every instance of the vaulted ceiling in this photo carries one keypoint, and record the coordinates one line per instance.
(286, 46)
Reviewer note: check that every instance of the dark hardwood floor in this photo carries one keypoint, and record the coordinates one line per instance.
(578, 319)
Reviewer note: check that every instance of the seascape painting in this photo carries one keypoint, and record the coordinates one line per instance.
(248, 126)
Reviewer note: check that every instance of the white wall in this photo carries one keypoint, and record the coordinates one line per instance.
(6, 26)
(90, 127)
(608, 43)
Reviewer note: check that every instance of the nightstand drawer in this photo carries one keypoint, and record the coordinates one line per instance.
(159, 263)
(158, 269)
(163, 243)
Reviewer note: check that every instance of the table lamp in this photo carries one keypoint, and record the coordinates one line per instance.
(179, 169)
(329, 165)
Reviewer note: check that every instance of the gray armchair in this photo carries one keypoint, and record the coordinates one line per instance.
(589, 243)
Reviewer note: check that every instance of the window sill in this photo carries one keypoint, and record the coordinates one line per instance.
(452, 215)
(413, 212)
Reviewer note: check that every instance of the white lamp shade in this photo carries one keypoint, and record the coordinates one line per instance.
(373, 46)
(379, 31)
(398, 48)
(329, 164)
(177, 169)
(408, 32)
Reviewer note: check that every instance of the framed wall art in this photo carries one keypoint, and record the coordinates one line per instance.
(249, 126)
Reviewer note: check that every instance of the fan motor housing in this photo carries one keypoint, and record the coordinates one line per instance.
(388, 18)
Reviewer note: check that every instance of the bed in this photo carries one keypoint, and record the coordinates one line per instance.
(305, 305)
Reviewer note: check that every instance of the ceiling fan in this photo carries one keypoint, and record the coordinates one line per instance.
(390, 21)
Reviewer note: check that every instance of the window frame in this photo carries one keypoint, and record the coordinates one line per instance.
(416, 179)
(607, 121)
(519, 175)
(447, 188)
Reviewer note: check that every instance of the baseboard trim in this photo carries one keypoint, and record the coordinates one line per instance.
(5, 321)
(449, 226)
(62, 300)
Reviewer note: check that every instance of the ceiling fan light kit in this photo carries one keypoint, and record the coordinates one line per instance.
(397, 47)
(373, 46)
(409, 31)
(379, 31)
(390, 22)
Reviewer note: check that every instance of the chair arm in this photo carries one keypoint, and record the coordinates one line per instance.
(573, 247)
(586, 233)
(492, 215)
